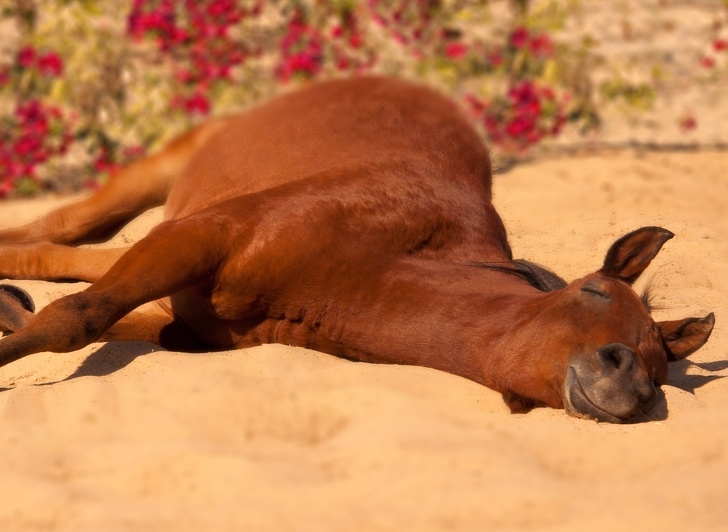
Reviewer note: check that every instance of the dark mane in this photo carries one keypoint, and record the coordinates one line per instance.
(648, 299)
(534, 274)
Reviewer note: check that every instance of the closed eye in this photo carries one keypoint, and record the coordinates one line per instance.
(595, 291)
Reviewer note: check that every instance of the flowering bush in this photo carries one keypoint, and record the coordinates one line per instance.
(525, 116)
(33, 132)
(197, 36)
(529, 111)
(150, 68)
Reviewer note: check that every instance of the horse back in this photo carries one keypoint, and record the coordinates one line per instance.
(354, 123)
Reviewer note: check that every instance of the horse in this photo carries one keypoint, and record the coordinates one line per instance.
(353, 217)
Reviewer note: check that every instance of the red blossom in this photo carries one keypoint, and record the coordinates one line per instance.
(399, 37)
(528, 114)
(197, 104)
(707, 62)
(198, 34)
(26, 56)
(476, 105)
(456, 50)
(688, 123)
(50, 64)
(495, 59)
(37, 133)
(104, 162)
(133, 152)
(6, 186)
(355, 41)
(380, 20)
(541, 46)
(720, 44)
(301, 49)
(520, 37)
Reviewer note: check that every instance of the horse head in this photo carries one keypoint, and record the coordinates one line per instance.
(605, 354)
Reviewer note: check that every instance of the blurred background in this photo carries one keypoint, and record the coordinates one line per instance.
(88, 85)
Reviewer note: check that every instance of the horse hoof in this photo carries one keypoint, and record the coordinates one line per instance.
(21, 295)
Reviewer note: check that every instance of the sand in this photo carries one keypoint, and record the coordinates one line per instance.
(127, 436)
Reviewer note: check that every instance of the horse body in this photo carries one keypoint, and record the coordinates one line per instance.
(353, 217)
(400, 185)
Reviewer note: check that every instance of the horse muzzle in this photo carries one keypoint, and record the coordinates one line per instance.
(608, 385)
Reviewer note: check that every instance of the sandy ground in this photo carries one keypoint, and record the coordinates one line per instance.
(126, 436)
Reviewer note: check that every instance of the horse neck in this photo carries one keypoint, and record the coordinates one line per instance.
(449, 317)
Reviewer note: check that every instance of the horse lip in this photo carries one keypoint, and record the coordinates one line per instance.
(573, 386)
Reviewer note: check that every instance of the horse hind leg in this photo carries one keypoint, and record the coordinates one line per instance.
(48, 262)
(131, 191)
(134, 189)
(54, 262)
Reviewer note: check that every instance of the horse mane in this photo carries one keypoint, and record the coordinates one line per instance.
(534, 274)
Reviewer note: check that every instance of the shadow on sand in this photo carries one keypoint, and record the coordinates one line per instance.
(109, 358)
(112, 357)
(679, 375)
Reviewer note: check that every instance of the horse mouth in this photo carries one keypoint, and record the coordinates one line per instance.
(578, 404)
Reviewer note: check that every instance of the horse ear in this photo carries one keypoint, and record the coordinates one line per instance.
(684, 337)
(630, 255)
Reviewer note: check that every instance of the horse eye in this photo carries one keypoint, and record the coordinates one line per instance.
(593, 290)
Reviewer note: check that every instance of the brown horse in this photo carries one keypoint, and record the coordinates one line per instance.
(353, 217)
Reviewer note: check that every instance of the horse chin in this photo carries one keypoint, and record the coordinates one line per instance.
(579, 403)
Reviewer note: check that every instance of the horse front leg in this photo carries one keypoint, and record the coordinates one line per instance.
(151, 323)
(174, 256)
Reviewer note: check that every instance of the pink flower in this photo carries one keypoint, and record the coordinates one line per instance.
(541, 46)
(519, 126)
(559, 122)
(688, 123)
(50, 64)
(495, 59)
(5, 187)
(455, 50)
(523, 93)
(355, 41)
(399, 37)
(26, 56)
(301, 49)
(342, 63)
(132, 152)
(526, 116)
(380, 20)
(476, 105)
(197, 104)
(30, 111)
(707, 62)
(520, 37)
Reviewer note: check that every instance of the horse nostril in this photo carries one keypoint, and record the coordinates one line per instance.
(617, 356)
